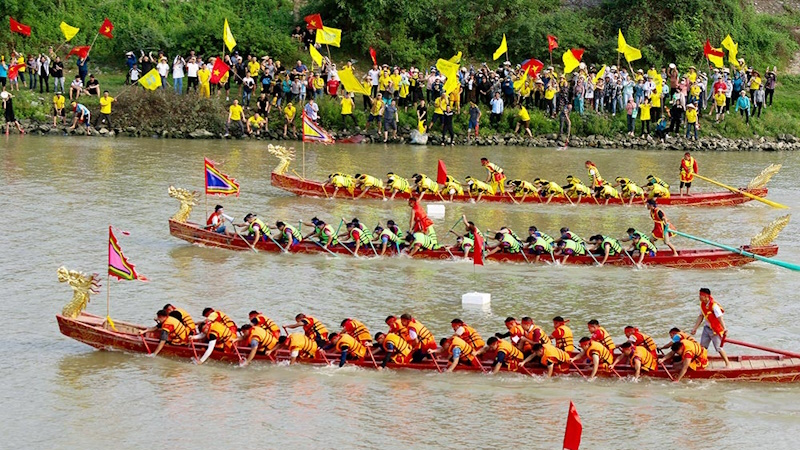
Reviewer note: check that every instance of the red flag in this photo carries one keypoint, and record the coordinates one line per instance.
(572, 435)
(81, 51)
(373, 55)
(477, 257)
(106, 28)
(13, 71)
(20, 28)
(313, 21)
(532, 66)
(709, 50)
(218, 70)
(552, 43)
(441, 177)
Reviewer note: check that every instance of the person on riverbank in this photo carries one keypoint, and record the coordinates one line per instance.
(688, 165)
(76, 88)
(256, 124)
(390, 119)
(105, 110)
(644, 116)
(81, 114)
(236, 115)
(720, 105)
(8, 109)
(288, 118)
(497, 109)
(692, 124)
(743, 107)
(660, 221)
(204, 78)
(376, 111)
(348, 105)
(59, 108)
(474, 119)
(714, 329)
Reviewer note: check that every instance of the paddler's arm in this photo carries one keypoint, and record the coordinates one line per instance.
(161, 342)
(253, 350)
(595, 365)
(637, 364)
(208, 352)
(388, 357)
(667, 357)
(606, 251)
(697, 324)
(498, 361)
(616, 360)
(293, 325)
(642, 251)
(343, 356)
(550, 368)
(684, 368)
(456, 356)
(578, 356)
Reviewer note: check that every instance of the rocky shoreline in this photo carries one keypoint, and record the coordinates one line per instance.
(782, 142)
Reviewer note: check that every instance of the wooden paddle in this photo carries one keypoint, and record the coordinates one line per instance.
(236, 230)
(760, 347)
(663, 366)
(512, 198)
(579, 370)
(746, 194)
(145, 344)
(372, 357)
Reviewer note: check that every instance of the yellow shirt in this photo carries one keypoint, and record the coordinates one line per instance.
(236, 112)
(695, 91)
(691, 115)
(255, 122)
(645, 113)
(347, 106)
(105, 104)
(692, 76)
(755, 83)
(59, 101)
(254, 67)
(395, 81)
(439, 105)
(319, 83)
(523, 114)
(288, 112)
(383, 81)
(719, 98)
(203, 75)
(21, 60)
(655, 100)
(550, 93)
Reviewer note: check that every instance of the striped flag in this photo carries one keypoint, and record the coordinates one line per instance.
(217, 183)
(314, 133)
(118, 265)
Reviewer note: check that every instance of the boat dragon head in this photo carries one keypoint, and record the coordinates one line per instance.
(83, 286)
(285, 155)
(188, 201)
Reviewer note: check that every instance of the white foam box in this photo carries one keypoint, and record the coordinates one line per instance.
(436, 211)
(476, 299)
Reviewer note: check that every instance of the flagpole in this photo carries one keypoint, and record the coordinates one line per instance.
(551, 57)
(304, 155)
(108, 283)
(329, 53)
(92, 44)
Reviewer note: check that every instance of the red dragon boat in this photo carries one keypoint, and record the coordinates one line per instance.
(310, 188)
(94, 331)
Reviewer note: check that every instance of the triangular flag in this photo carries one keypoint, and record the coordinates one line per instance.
(106, 28)
(573, 430)
(477, 257)
(151, 80)
(217, 183)
(552, 43)
(621, 44)
(118, 266)
(715, 55)
(441, 175)
(316, 56)
(227, 37)
(600, 74)
(631, 53)
(314, 133)
(69, 31)
(572, 59)
(350, 82)
(502, 49)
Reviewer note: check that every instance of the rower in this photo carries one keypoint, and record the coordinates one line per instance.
(338, 181)
(424, 185)
(463, 243)
(655, 190)
(594, 175)
(324, 232)
(675, 336)
(185, 318)
(596, 354)
(659, 222)
(218, 337)
(636, 337)
(259, 340)
(357, 330)
(629, 189)
(366, 182)
(505, 354)
(608, 245)
(260, 320)
(521, 188)
(396, 327)
(312, 328)
(393, 227)
(216, 221)
(693, 355)
(212, 315)
(688, 169)
(452, 187)
(386, 238)
(566, 234)
(300, 346)
(358, 237)
(605, 191)
(599, 334)
(507, 243)
(538, 246)
(533, 334)
(576, 189)
(396, 183)
(471, 230)
(562, 335)
(714, 329)
(644, 247)
(171, 329)
(467, 333)
(655, 180)
(420, 222)
(256, 228)
(420, 339)
(638, 357)
(289, 235)
(397, 349)
(458, 351)
(496, 176)
(514, 333)
(549, 356)
(478, 187)
(548, 189)
(629, 237)
(533, 231)
(418, 242)
(348, 348)
(567, 248)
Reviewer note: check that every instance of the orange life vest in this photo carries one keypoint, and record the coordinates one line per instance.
(644, 356)
(602, 352)
(708, 313)
(466, 349)
(472, 337)
(306, 347)
(268, 325)
(604, 339)
(357, 330)
(532, 333)
(645, 341)
(221, 317)
(424, 337)
(597, 180)
(554, 355)
(222, 334)
(187, 320)
(312, 326)
(513, 355)
(266, 340)
(177, 332)
(695, 352)
(562, 337)
(401, 347)
(353, 346)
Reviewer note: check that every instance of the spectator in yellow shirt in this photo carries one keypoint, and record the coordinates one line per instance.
(524, 119)
(105, 110)
(288, 116)
(644, 115)
(691, 120)
(204, 77)
(719, 101)
(235, 114)
(256, 124)
(254, 67)
(347, 110)
(59, 110)
(439, 107)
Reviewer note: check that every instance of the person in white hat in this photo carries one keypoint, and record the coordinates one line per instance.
(692, 123)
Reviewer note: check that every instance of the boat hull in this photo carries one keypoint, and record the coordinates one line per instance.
(310, 188)
(686, 259)
(89, 329)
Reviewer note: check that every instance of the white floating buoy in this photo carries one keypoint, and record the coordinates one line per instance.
(436, 211)
(476, 299)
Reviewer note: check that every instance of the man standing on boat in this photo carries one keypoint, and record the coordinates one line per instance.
(659, 221)
(496, 178)
(714, 329)
(419, 222)
(688, 169)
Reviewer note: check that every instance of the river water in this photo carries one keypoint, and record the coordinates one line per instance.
(60, 194)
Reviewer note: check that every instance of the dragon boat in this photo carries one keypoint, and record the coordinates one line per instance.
(298, 185)
(699, 258)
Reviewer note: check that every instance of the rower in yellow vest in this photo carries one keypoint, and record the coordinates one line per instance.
(507, 243)
(596, 354)
(256, 228)
(259, 340)
(366, 182)
(425, 185)
(506, 354)
(549, 189)
(629, 189)
(605, 191)
(170, 329)
(576, 189)
(551, 357)
(299, 346)
(396, 183)
(562, 335)
(348, 347)
(656, 190)
(452, 187)
(386, 239)
(339, 181)
(638, 357)
(496, 176)
(478, 187)
(521, 188)
(419, 242)
(608, 246)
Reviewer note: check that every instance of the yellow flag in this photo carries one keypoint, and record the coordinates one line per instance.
(571, 59)
(502, 49)
(151, 80)
(600, 74)
(69, 31)
(315, 55)
(450, 70)
(631, 53)
(227, 37)
(350, 82)
(718, 61)
(621, 44)
(733, 50)
(329, 36)
(521, 82)
(456, 58)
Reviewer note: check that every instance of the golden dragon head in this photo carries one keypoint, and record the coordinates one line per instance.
(285, 155)
(188, 201)
(83, 287)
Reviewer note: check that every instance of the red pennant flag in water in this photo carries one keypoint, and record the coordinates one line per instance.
(373, 55)
(552, 43)
(118, 265)
(217, 183)
(106, 28)
(572, 434)
(313, 22)
(477, 257)
(218, 71)
(441, 177)
(81, 51)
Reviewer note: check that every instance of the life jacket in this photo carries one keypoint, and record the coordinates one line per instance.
(685, 336)
(659, 192)
(554, 355)
(472, 337)
(466, 349)
(421, 220)
(343, 181)
(658, 229)
(424, 337)
(368, 180)
(573, 237)
(215, 219)
(223, 335)
(357, 330)
(399, 184)
(221, 317)
(268, 324)
(467, 242)
(577, 249)
(354, 347)
(552, 188)
(331, 233)
(615, 249)
(357, 234)
(426, 243)
(266, 340)
(427, 185)
(510, 243)
(391, 237)
(604, 338)
(695, 352)
(647, 359)
(608, 191)
(645, 341)
(513, 355)
(401, 347)
(564, 338)
(515, 332)
(687, 169)
(290, 232)
(471, 235)
(576, 188)
(495, 171)
(307, 347)
(596, 348)
(452, 185)
(543, 337)
(261, 226)
(649, 246)
(478, 186)
(187, 320)
(540, 242)
(708, 313)
(597, 180)
(631, 188)
(522, 186)
(660, 182)
(177, 332)
(547, 238)
(312, 327)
